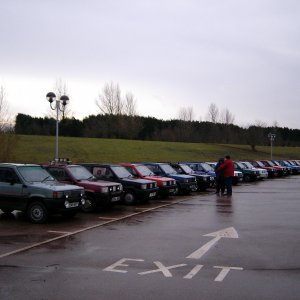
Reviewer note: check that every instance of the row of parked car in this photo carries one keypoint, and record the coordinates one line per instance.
(65, 188)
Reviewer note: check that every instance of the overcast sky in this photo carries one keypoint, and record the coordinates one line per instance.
(239, 54)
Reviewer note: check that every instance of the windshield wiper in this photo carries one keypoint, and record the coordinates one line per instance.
(46, 178)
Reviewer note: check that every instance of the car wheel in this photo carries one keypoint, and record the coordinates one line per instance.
(247, 178)
(129, 198)
(176, 191)
(37, 212)
(89, 204)
(194, 188)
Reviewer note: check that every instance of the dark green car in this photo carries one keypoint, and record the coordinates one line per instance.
(31, 189)
(248, 174)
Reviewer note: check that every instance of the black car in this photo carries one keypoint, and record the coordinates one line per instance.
(135, 189)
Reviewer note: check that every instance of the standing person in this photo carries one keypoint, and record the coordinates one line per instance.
(220, 180)
(228, 168)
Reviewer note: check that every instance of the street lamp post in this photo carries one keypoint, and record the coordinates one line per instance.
(59, 105)
(271, 136)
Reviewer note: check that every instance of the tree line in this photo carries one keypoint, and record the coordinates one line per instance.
(121, 126)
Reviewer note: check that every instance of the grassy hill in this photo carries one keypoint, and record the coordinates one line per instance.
(40, 149)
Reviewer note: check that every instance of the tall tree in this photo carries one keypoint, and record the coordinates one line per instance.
(110, 102)
(213, 113)
(130, 105)
(226, 117)
(8, 139)
(186, 113)
(4, 115)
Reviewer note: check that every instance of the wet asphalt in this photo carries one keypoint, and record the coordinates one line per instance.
(194, 247)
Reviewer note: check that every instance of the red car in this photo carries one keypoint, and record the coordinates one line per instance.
(167, 186)
(272, 171)
(281, 171)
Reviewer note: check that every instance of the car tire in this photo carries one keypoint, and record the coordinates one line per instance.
(129, 198)
(89, 205)
(37, 212)
(247, 178)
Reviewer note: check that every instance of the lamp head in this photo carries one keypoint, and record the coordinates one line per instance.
(51, 97)
(65, 100)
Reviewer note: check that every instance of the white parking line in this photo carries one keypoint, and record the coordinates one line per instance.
(105, 218)
(86, 229)
(62, 232)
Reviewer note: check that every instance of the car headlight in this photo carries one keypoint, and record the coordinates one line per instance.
(104, 189)
(144, 186)
(164, 183)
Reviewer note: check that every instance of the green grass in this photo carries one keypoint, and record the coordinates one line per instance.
(41, 149)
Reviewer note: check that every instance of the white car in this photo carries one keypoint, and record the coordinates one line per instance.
(262, 172)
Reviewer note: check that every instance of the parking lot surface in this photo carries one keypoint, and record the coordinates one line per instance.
(194, 247)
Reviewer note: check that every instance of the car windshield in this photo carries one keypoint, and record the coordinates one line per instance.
(121, 172)
(240, 165)
(80, 173)
(187, 169)
(248, 165)
(34, 174)
(271, 163)
(168, 169)
(207, 167)
(145, 171)
(260, 163)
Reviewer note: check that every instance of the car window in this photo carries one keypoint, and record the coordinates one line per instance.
(8, 175)
(59, 174)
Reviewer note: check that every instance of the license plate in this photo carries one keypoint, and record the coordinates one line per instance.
(74, 204)
(114, 199)
(152, 194)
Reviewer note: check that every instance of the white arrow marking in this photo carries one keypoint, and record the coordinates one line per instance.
(229, 232)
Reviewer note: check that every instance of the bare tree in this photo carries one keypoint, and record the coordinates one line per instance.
(226, 117)
(130, 105)
(8, 139)
(186, 114)
(213, 113)
(110, 102)
(5, 120)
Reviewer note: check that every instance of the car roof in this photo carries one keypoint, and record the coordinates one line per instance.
(16, 164)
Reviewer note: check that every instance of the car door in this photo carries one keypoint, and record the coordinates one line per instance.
(12, 194)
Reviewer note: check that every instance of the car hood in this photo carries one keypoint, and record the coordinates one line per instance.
(158, 178)
(137, 180)
(55, 186)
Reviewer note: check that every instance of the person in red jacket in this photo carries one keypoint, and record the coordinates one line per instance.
(228, 168)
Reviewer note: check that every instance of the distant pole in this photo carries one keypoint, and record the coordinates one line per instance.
(271, 136)
(59, 105)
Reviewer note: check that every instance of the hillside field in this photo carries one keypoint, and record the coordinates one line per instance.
(41, 149)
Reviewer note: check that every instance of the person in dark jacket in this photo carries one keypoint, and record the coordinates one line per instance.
(220, 180)
(228, 168)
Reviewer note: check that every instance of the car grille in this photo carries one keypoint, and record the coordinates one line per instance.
(73, 194)
(114, 188)
(151, 185)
